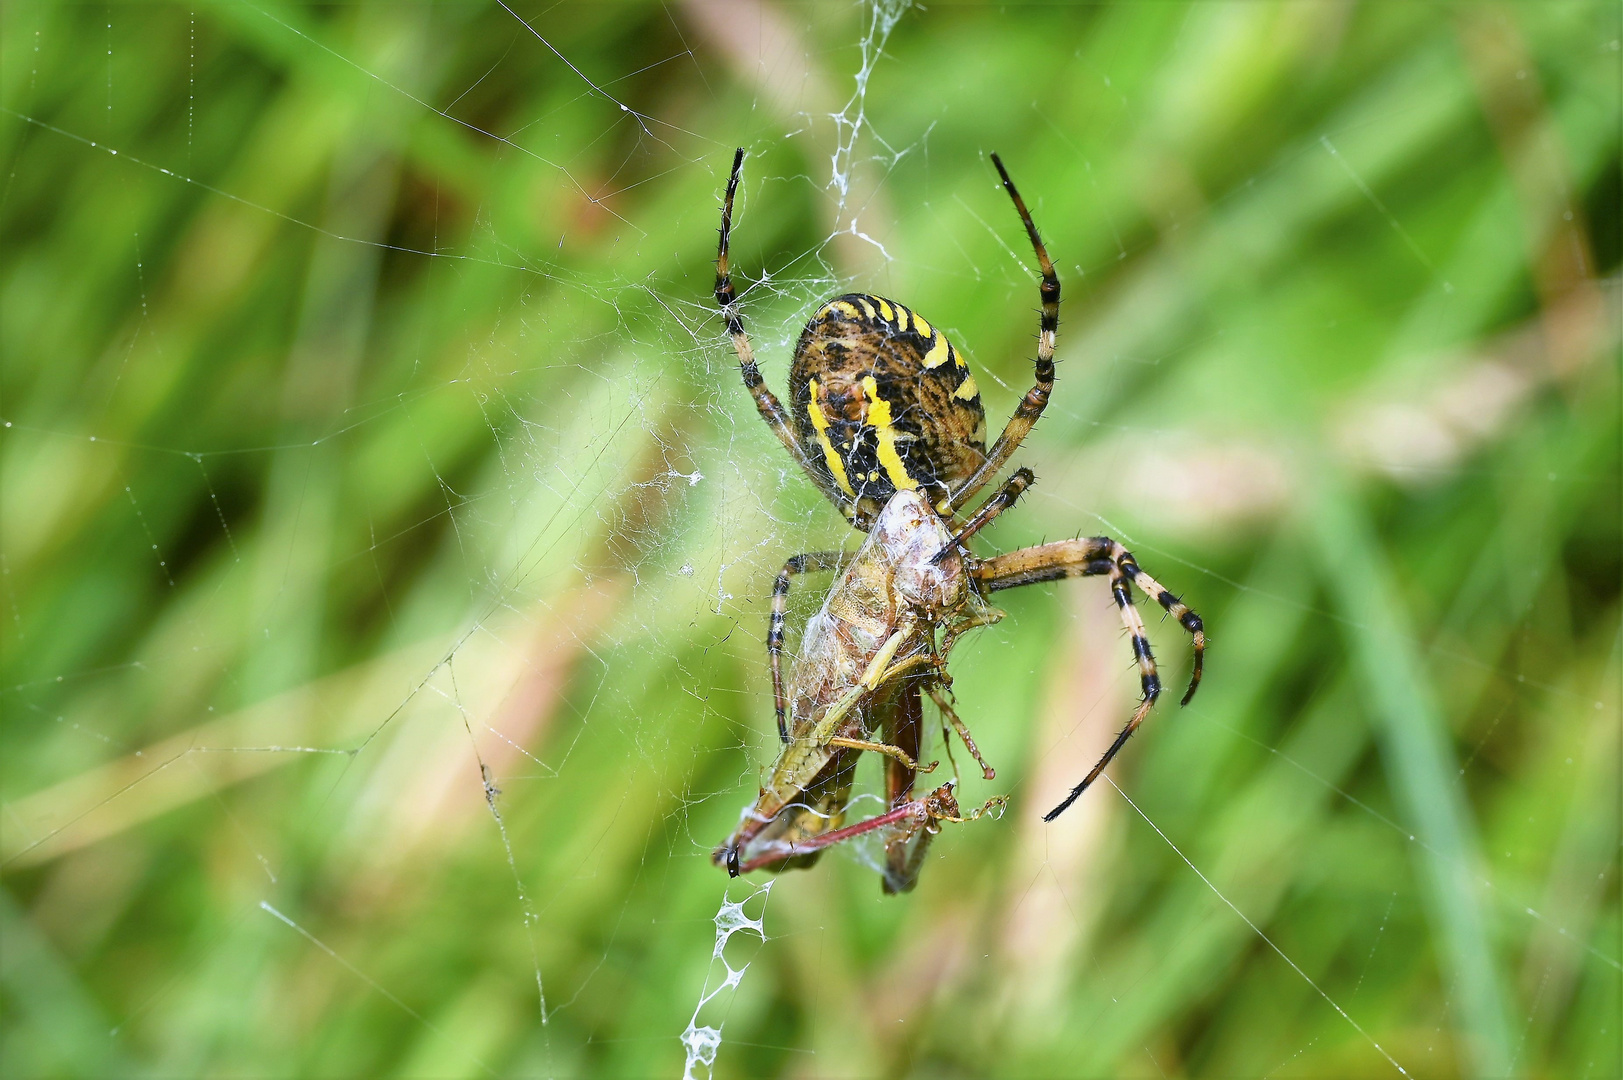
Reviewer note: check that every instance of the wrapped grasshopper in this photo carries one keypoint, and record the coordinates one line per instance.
(864, 660)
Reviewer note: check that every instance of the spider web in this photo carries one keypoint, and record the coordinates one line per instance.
(382, 695)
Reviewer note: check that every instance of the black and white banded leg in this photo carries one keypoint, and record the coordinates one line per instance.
(810, 562)
(1000, 501)
(1100, 555)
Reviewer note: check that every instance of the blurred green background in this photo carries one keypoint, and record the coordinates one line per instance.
(387, 535)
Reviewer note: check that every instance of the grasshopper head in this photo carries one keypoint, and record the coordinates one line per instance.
(909, 534)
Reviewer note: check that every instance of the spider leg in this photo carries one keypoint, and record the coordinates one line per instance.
(1036, 400)
(1088, 557)
(990, 509)
(1085, 558)
(1094, 556)
(1148, 677)
(766, 402)
(1178, 610)
(810, 562)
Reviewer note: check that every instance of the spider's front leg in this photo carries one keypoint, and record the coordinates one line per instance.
(1100, 555)
(1036, 400)
(1000, 501)
(766, 402)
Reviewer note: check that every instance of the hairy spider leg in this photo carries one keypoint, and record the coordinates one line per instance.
(1089, 557)
(1177, 609)
(766, 402)
(810, 562)
(1085, 558)
(1036, 400)
(1004, 498)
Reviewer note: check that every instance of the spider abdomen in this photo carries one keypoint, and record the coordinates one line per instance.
(881, 401)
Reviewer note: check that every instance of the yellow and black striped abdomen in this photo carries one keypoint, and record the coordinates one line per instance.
(882, 401)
